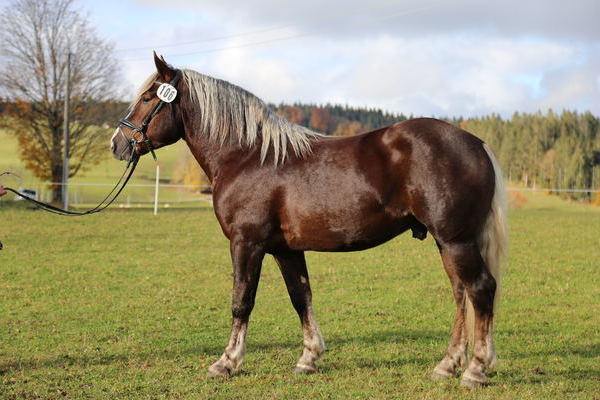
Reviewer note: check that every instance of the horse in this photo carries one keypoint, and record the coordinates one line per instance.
(282, 189)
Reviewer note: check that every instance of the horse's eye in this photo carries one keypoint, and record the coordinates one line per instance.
(146, 99)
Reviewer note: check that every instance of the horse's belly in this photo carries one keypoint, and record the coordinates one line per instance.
(342, 232)
(336, 209)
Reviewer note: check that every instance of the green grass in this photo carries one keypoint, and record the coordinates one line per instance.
(124, 305)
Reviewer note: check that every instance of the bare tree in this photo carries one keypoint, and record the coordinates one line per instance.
(35, 40)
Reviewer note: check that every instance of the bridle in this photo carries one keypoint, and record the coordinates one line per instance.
(166, 93)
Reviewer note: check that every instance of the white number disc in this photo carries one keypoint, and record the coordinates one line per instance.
(166, 93)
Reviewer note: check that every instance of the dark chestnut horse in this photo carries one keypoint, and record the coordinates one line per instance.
(281, 189)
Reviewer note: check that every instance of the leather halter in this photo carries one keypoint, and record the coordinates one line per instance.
(146, 121)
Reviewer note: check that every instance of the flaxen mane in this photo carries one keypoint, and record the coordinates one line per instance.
(232, 114)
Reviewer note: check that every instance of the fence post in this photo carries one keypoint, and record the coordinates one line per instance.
(156, 189)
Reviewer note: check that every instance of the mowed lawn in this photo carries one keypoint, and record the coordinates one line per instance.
(125, 305)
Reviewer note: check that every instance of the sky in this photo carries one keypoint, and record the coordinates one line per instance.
(419, 57)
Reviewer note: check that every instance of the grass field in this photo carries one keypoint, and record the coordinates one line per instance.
(124, 305)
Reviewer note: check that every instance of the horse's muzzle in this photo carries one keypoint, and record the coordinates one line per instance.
(120, 146)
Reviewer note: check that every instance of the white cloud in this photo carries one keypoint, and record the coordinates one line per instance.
(577, 87)
(465, 57)
(566, 20)
(444, 75)
(268, 75)
(430, 76)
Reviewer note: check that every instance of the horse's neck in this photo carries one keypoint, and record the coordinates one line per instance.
(210, 154)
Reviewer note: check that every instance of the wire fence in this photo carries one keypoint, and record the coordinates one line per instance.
(134, 195)
(143, 194)
(559, 190)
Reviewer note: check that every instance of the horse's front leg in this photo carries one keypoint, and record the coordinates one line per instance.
(247, 261)
(293, 269)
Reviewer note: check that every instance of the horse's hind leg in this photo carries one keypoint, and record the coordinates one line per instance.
(247, 261)
(293, 269)
(456, 354)
(464, 260)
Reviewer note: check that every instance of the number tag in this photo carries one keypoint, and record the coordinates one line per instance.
(166, 93)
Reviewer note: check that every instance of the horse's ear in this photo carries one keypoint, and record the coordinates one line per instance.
(165, 71)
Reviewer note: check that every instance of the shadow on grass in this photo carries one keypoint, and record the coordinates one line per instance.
(584, 351)
(213, 351)
(389, 336)
(538, 376)
(370, 359)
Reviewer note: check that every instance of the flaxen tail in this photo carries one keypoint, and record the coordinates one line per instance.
(492, 241)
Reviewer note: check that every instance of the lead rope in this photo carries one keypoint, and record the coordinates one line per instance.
(131, 165)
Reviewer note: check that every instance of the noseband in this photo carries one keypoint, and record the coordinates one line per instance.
(166, 93)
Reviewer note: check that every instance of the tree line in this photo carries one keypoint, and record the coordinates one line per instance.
(337, 120)
(544, 150)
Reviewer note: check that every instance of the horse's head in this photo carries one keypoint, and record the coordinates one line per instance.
(153, 120)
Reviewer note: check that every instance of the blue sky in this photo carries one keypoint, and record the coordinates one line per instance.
(421, 57)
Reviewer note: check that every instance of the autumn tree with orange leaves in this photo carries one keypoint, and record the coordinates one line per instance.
(35, 40)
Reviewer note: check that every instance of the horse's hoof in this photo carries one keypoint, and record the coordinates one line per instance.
(443, 371)
(472, 384)
(304, 369)
(436, 376)
(218, 371)
(474, 380)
